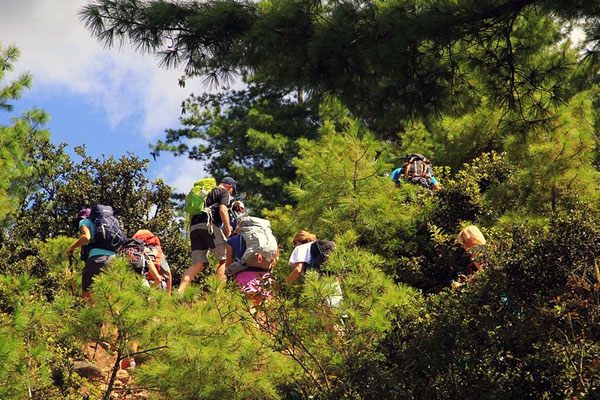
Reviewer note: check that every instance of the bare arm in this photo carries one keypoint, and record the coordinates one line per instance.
(229, 252)
(296, 272)
(154, 275)
(225, 219)
(84, 239)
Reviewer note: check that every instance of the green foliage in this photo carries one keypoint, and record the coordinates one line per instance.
(31, 356)
(525, 328)
(123, 312)
(214, 351)
(341, 188)
(45, 262)
(558, 161)
(64, 186)
(387, 61)
(249, 134)
(491, 92)
(331, 344)
(16, 172)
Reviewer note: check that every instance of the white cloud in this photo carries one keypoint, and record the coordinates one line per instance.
(180, 172)
(61, 54)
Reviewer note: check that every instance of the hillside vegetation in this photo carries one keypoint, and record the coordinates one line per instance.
(494, 93)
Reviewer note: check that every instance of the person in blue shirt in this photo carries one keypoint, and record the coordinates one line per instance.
(96, 260)
(398, 174)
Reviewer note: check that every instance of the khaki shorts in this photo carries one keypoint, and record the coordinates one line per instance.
(203, 242)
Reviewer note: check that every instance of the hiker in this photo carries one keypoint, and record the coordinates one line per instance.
(416, 170)
(99, 249)
(206, 233)
(238, 210)
(251, 254)
(301, 255)
(310, 253)
(158, 270)
(146, 257)
(253, 281)
(474, 243)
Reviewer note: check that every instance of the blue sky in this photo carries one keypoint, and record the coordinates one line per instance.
(113, 100)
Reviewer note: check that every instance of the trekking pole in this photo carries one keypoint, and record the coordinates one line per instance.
(72, 274)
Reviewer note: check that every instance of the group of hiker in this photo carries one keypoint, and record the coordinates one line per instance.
(102, 237)
(244, 246)
(416, 169)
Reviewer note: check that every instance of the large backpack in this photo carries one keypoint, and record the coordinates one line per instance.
(319, 252)
(194, 201)
(108, 233)
(417, 170)
(259, 239)
(153, 250)
(134, 250)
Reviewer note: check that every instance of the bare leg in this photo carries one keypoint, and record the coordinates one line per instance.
(189, 275)
(221, 270)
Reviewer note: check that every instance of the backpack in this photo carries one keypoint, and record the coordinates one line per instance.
(417, 170)
(108, 233)
(153, 250)
(194, 201)
(319, 252)
(134, 250)
(259, 239)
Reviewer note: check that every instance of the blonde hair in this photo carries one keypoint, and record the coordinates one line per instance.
(471, 234)
(303, 237)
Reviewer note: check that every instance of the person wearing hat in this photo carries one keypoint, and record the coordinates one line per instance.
(96, 259)
(206, 233)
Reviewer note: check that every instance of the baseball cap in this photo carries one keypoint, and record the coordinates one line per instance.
(229, 180)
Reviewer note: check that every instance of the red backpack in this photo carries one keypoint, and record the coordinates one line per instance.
(153, 248)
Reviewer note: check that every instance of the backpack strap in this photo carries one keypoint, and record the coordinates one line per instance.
(407, 167)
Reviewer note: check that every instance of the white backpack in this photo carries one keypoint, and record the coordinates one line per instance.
(259, 239)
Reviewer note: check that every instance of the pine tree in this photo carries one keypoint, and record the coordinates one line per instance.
(16, 139)
(387, 61)
(249, 134)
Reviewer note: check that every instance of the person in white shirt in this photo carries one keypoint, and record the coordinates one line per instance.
(301, 255)
(300, 259)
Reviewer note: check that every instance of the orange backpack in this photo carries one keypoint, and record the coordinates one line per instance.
(153, 243)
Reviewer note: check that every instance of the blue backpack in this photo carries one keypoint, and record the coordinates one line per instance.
(108, 235)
